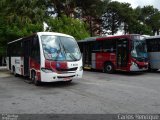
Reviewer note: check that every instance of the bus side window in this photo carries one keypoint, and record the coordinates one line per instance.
(97, 46)
(158, 44)
(109, 45)
(35, 49)
(153, 45)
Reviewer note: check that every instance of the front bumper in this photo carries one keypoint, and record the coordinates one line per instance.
(53, 77)
(134, 67)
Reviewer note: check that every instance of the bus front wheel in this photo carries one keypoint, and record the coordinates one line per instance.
(108, 67)
(33, 78)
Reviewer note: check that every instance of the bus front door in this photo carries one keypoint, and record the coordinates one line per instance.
(122, 53)
(87, 55)
(26, 57)
(9, 56)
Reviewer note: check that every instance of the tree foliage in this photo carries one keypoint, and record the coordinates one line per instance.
(151, 16)
(89, 11)
(68, 25)
(19, 14)
(78, 18)
(19, 18)
(122, 16)
(111, 18)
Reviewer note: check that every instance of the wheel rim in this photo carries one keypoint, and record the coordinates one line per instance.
(108, 68)
(36, 82)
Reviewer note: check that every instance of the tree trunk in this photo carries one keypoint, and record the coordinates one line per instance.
(90, 25)
(154, 31)
(158, 32)
(112, 25)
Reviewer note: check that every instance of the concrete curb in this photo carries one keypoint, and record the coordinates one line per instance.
(3, 67)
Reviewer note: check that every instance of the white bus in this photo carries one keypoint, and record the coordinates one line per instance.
(153, 48)
(45, 57)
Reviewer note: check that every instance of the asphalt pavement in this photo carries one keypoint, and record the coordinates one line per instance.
(95, 93)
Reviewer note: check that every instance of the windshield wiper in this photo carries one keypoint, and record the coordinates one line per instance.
(58, 52)
(70, 54)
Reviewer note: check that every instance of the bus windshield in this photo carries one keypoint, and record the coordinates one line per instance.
(139, 49)
(60, 48)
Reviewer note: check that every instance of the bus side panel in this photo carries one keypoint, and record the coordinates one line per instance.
(154, 60)
(34, 65)
(16, 64)
(7, 62)
(93, 59)
(101, 58)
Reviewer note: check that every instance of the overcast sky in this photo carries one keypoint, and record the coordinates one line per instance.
(135, 3)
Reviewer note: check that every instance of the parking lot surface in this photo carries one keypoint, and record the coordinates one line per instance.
(95, 93)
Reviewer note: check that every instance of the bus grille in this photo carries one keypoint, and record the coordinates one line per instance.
(142, 59)
(65, 76)
(70, 69)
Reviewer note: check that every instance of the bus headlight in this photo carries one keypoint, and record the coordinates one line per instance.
(47, 70)
(146, 63)
(133, 63)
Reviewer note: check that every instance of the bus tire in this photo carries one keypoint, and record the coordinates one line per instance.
(14, 72)
(33, 78)
(108, 67)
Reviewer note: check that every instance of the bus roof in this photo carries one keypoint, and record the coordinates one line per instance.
(104, 37)
(53, 33)
(152, 37)
(43, 33)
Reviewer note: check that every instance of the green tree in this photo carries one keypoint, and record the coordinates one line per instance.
(139, 26)
(68, 25)
(92, 11)
(151, 16)
(19, 18)
(111, 19)
(127, 17)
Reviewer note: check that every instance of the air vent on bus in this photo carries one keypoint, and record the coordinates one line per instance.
(69, 69)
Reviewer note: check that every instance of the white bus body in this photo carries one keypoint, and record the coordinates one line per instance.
(153, 48)
(45, 57)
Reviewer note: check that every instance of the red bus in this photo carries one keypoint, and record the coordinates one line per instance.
(45, 57)
(110, 53)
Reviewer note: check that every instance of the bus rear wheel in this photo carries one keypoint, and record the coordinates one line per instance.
(108, 68)
(33, 78)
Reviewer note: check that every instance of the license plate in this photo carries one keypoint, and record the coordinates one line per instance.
(67, 79)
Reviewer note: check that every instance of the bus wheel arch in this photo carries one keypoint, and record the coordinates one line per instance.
(33, 78)
(108, 67)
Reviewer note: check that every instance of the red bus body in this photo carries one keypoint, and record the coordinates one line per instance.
(114, 53)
